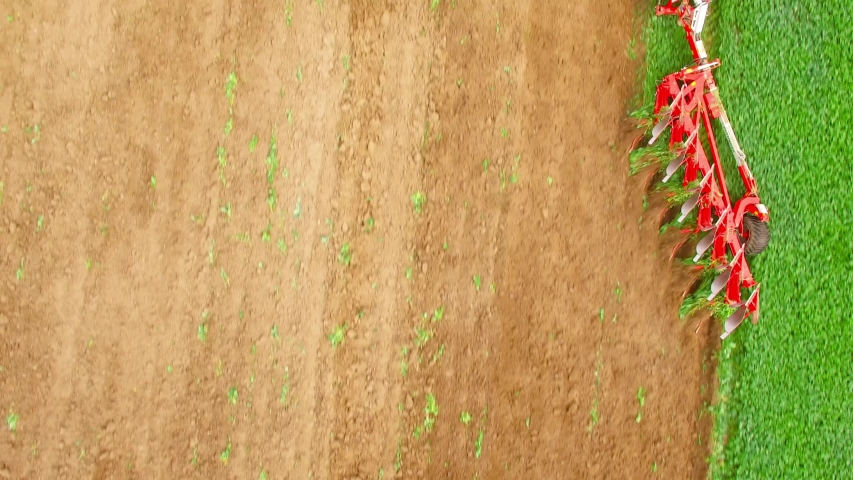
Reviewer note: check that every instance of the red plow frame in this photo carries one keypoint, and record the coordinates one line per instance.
(687, 102)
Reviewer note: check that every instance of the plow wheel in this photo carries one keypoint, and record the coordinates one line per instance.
(758, 235)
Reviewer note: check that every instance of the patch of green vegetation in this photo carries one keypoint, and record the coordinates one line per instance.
(337, 335)
(12, 420)
(419, 199)
(422, 335)
(478, 282)
(19, 274)
(230, 87)
(272, 159)
(478, 445)
(641, 398)
(345, 256)
(226, 454)
(594, 415)
(201, 333)
(398, 457)
(430, 415)
(233, 395)
(465, 418)
(34, 132)
(272, 168)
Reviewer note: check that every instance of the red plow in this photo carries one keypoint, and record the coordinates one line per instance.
(687, 104)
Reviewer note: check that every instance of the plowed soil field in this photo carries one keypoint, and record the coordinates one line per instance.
(332, 239)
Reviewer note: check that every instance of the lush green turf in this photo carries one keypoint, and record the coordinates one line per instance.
(786, 385)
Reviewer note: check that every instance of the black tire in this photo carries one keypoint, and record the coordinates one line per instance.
(759, 235)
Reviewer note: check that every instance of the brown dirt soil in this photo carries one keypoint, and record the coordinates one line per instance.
(183, 327)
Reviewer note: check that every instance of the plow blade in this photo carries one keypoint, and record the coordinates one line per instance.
(719, 283)
(732, 280)
(691, 202)
(750, 307)
(688, 206)
(734, 321)
(704, 245)
(716, 237)
(660, 127)
(673, 167)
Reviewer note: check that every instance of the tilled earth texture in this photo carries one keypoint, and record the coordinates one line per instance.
(334, 240)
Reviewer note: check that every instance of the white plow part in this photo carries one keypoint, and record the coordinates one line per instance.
(700, 49)
(660, 127)
(691, 202)
(708, 239)
(704, 245)
(734, 321)
(673, 166)
(720, 283)
(688, 206)
(667, 119)
(679, 160)
(699, 16)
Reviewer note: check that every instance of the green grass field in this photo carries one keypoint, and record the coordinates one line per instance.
(785, 406)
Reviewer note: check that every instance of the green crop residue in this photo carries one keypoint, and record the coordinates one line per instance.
(785, 407)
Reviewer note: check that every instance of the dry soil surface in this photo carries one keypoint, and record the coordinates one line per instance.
(332, 239)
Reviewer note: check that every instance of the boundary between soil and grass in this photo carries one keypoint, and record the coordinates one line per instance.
(784, 403)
